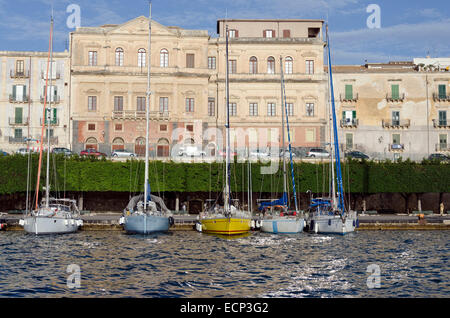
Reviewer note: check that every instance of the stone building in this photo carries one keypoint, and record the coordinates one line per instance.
(22, 91)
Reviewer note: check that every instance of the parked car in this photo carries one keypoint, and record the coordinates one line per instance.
(122, 153)
(61, 150)
(92, 152)
(356, 155)
(259, 155)
(439, 157)
(287, 154)
(191, 151)
(22, 151)
(318, 152)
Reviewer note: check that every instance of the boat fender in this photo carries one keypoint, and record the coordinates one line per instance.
(281, 214)
(171, 221)
(329, 222)
(22, 222)
(357, 222)
(121, 220)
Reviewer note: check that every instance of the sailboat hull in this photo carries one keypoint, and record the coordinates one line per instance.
(50, 225)
(332, 224)
(226, 226)
(283, 225)
(146, 224)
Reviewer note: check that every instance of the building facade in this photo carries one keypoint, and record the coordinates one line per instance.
(22, 93)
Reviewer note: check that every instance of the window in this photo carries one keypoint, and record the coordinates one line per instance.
(290, 109)
(348, 92)
(286, 33)
(52, 93)
(288, 65)
(92, 103)
(141, 104)
(233, 109)
(212, 62)
(164, 104)
(18, 115)
(396, 118)
(18, 133)
(395, 91)
(20, 67)
(51, 114)
(19, 93)
(442, 142)
(442, 118)
(142, 54)
(271, 65)
(190, 60)
(233, 33)
(162, 149)
(92, 58)
(253, 64)
(349, 116)
(91, 143)
(309, 67)
(349, 140)
(232, 66)
(119, 56)
(190, 128)
(442, 91)
(189, 105)
(163, 128)
(310, 135)
(49, 133)
(164, 58)
(309, 109)
(269, 33)
(313, 32)
(118, 127)
(253, 109)
(118, 103)
(271, 109)
(211, 107)
(396, 139)
(91, 127)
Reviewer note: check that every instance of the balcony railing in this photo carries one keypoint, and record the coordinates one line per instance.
(389, 123)
(349, 122)
(19, 74)
(44, 75)
(442, 147)
(53, 122)
(53, 140)
(18, 121)
(441, 97)
(55, 100)
(139, 115)
(15, 99)
(395, 98)
(439, 123)
(347, 98)
(396, 147)
(16, 140)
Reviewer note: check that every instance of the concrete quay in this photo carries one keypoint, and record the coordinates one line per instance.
(109, 221)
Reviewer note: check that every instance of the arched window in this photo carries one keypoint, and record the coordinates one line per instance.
(91, 143)
(164, 58)
(162, 149)
(253, 65)
(289, 65)
(139, 146)
(141, 57)
(118, 143)
(271, 65)
(119, 56)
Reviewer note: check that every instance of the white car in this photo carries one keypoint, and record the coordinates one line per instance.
(122, 153)
(318, 152)
(191, 151)
(259, 155)
(287, 154)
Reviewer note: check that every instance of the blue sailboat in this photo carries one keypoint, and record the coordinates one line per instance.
(147, 213)
(284, 221)
(328, 215)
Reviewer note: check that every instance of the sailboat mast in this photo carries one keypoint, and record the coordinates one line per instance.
(282, 133)
(227, 203)
(147, 113)
(48, 117)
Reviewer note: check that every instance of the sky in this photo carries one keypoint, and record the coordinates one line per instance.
(396, 30)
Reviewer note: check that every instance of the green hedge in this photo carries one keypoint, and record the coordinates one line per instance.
(91, 175)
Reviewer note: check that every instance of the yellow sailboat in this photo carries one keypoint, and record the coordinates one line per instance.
(229, 220)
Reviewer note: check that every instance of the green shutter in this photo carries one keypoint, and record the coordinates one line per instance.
(395, 91)
(18, 115)
(348, 91)
(343, 116)
(24, 96)
(54, 119)
(442, 92)
(354, 114)
(14, 92)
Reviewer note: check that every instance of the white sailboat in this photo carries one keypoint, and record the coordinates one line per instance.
(328, 215)
(146, 214)
(53, 216)
(227, 220)
(284, 221)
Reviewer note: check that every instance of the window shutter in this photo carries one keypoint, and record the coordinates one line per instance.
(348, 91)
(14, 92)
(286, 33)
(24, 92)
(442, 92)
(18, 113)
(236, 33)
(273, 33)
(343, 115)
(264, 33)
(354, 114)
(395, 91)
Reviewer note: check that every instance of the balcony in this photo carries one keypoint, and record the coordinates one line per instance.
(389, 123)
(18, 121)
(348, 99)
(53, 140)
(53, 122)
(442, 147)
(396, 147)
(349, 122)
(19, 74)
(395, 98)
(140, 115)
(441, 97)
(439, 123)
(16, 140)
(44, 75)
(15, 99)
(55, 100)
